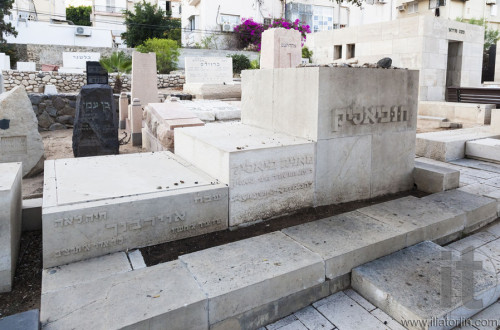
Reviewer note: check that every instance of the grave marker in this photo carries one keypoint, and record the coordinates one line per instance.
(144, 78)
(96, 123)
(96, 74)
(209, 70)
(78, 60)
(26, 66)
(281, 48)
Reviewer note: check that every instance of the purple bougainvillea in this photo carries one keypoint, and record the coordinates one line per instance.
(249, 32)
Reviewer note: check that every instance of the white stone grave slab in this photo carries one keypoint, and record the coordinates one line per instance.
(10, 222)
(209, 70)
(93, 206)
(78, 60)
(26, 66)
(4, 62)
(268, 173)
(144, 78)
(20, 140)
(487, 149)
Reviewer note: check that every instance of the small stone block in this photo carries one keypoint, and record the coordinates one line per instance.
(148, 298)
(420, 219)
(432, 179)
(136, 259)
(23, 321)
(240, 276)
(488, 149)
(348, 240)
(478, 210)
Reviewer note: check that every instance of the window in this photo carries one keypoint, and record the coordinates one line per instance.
(110, 6)
(192, 23)
(337, 52)
(180, 9)
(322, 18)
(433, 4)
(168, 6)
(351, 51)
(412, 7)
(267, 21)
(230, 19)
(299, 11)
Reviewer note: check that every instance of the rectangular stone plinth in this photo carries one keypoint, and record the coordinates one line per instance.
(206, 91)
(268, 174)
(423, 283)
(99, 205)
(243, 275)
(10, 221)
(165, 296)
(487, 149)
(348, 240)
(433, 178)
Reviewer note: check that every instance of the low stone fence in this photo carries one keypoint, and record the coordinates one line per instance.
(35, 82)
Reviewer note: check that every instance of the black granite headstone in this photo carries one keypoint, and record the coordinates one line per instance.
(96, 74)
(95, 131)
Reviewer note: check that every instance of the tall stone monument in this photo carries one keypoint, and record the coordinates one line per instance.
(96, 124)
(19, 137)
(281, 48)
(144, 78)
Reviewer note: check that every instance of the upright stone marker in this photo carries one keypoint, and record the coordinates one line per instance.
(209, 70)
(10, 222)
(96, 74)
(1, 83)
(26, 66)
(96, 123)
(78, 60)
(281, 48)
(144, 78)
(19, 137)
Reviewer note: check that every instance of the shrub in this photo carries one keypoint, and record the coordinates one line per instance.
(255, 64)
(306, 53)
(167, 53)
(117, 62)
(240, 63)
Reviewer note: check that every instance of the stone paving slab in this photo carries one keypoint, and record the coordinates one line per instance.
(407, 285)
(433, 178)
(348, 240)
(478, 210)
(420, 219)
(147, 298)
(477, 164)
(60, 277)
(253, 272)
(23, 321)
(476, 240)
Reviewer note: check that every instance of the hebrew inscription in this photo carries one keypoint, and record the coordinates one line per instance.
(368, 116)
(14, 145)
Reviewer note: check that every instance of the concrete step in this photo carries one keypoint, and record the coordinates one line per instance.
(424, 283)
(449, 145)
(430, 121)
(485, 149)
(433, 178)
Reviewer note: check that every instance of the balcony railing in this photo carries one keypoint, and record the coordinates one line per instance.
(109, 9)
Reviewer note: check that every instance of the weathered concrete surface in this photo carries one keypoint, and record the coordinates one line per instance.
(149, 298)
(268, 173)
(432, 179)
(240, 276)
(19, 137)
(408, 285)
(23, 321)
(82, 272)
(129, 201)
(457, 112)
(10, 221)
(213, 91)
(348, 240)
(479, 211)
(420, 219)
(449, 145)
(486, 149)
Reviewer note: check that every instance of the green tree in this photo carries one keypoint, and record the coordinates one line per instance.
(148, 22)
(7, 28)
(491, 36)
(118, 62)
(167, 53)
(79, 15)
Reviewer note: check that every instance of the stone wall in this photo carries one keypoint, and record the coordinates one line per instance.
(34, 82)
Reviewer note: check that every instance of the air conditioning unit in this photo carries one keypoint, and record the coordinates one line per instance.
(491, 2)
(401, 8)
(83, 31)
(227, 27)
(382, 1)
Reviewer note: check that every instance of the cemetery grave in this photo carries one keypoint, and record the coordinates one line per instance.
(248, 222)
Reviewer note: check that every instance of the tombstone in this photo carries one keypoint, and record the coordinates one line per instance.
(209, 70)
(2, 88)
(10, 221)
(96, 74)
(19, 137)
(26, 66)
(281, 48)
(144, 78)
(78, 60)
(96, 124)
(4, 62)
